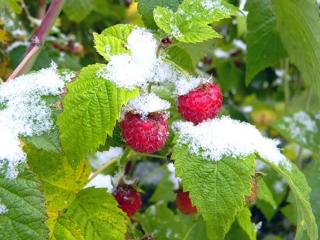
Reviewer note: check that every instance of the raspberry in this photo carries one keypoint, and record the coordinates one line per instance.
(145, 134)
(166, 41)
(201, 103)
(128, 198)
(184, 203)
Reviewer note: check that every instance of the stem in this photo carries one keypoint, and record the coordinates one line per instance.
(102, 168)
(38, 39)
(286, 83)
(153, 156)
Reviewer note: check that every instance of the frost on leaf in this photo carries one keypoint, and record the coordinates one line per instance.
(25, 113)
(222, 137)
(139, 68)
(147, 103)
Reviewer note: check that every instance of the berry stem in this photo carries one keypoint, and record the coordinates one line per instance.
(102, 168)
(153, 156)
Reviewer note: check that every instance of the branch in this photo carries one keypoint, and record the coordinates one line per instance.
(38, 39)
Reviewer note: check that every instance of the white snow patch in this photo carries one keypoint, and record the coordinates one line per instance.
(101, 158)
(25, 113)
(3, 209)
(147, 103)
(101, 181)
(219, 53)
(257, 226)
(240, 44)
(300, 125)
(141, 67)
(224, 136)
(172, 177)
(186, 84)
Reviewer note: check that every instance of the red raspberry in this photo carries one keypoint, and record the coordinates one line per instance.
(146, 135)
(184, 203)
(201, 103)
(128, 198)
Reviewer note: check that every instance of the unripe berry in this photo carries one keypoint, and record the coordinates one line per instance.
(201, 103)
(184, 203)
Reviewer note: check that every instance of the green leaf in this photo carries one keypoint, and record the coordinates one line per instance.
(60, 181)
(25, 215)
(242, 228)
(263, 41)
(301, 128)
(14, 5)
(163, 224)
(91, 110)
(77, 10)
(197, 50)
(65, 229)
(146, 8)
(265, 200)
(97, 215)
(244, 220)
(49, 141)
(301, 191)
(298, 23)
(190, 22)
(218, 189)
(113, 40)
(181, 58)
(313, 177)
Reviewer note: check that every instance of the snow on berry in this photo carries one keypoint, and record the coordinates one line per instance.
(145, 104)
(141, 67)
(184, 203)
(23, 112)
(145, 134)
(221, 137)
(201, 103)
(128, 198)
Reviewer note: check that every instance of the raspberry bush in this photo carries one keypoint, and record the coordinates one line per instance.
(148, 119)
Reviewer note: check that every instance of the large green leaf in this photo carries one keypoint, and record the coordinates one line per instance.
(64, 229)
(113, 40)
(90, 112)
(190, 22)
(96, 213)
(263, 41)
(298, 23)
(25, 213)
(301, 128)
(296, 180)
(146, 7)
(218, 189)
(60, 181)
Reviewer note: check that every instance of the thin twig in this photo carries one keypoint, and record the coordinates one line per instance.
(102, 168)
(38, 39)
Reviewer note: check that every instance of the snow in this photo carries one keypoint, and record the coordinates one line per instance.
(141, 67)
(3, 209)
(172, 177)
(300, 125)
(101, 181)
(100, 158)
(185, 84)
(25, 113)
(146, 103)
(220, 137)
